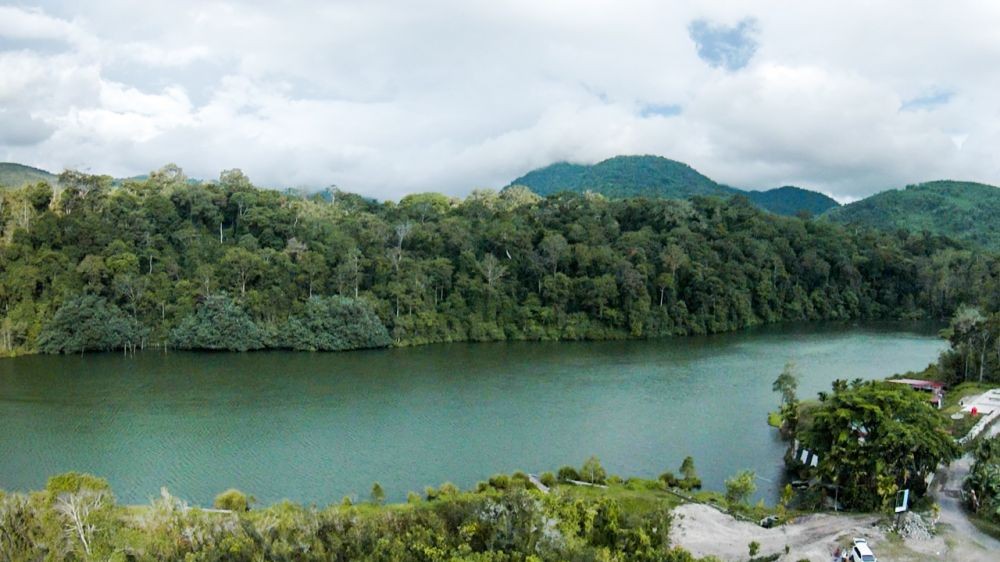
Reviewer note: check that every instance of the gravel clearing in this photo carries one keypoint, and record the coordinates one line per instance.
(706, 531)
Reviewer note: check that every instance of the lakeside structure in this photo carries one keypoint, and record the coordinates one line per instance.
(935, 388)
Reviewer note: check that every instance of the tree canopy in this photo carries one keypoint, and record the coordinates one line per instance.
(494, 266)
(89, 323)
(874, 439)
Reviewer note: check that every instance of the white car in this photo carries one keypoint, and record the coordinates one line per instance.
(861, 552)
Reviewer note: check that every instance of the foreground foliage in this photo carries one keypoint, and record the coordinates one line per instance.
(76, 518)
(224, 265)
(982, 486)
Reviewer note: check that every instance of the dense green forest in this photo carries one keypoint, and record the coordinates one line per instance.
(76, 518)
(655, 177)
(225, 265)
(624, 176)
(961, 210)
(975, 347)
(790, 200)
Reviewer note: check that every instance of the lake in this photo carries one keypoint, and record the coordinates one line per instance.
(314, 427)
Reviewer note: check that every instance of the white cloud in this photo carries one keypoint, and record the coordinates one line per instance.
(385, 98)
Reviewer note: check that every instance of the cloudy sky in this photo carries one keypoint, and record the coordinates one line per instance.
(390, 97)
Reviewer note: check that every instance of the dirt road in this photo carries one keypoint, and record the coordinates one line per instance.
(706, 531)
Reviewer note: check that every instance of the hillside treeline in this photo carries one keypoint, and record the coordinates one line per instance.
(225, 265)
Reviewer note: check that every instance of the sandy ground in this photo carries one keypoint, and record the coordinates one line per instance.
(704, 531)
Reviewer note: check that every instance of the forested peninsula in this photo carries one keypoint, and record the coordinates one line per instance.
(163, 261)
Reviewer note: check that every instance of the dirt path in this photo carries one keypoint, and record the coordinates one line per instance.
(948, 495)
(706, 531)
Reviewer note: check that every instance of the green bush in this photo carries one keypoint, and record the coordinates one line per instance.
(500, 481)
(689, 484)
(218, 324)
(233, 500)
(378, 494)
(593, 472)
(669, 479)
(548, 479)
(568, 473)
(334, 324)
(89, 323)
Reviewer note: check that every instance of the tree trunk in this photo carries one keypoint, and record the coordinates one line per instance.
(982, 361)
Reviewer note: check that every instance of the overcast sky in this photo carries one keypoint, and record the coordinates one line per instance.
(392, 97)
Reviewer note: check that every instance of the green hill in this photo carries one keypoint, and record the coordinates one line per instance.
(624, 176)
(962, 210)
(791, 200)
(655, 176)
(17, 175)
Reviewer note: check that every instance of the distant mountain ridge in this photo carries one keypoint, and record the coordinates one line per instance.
(17, 175)
(624, 176)
(966, 211)
(791, 200)
(655, 176)
(962, 210)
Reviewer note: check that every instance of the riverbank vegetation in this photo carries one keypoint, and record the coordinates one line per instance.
(76, 518)
(974, 334)
(225, 265)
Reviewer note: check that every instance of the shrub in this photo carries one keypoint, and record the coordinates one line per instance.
(73, 482)
(689, 484)
(568, 473)
(334, 324)
(593, 472)
(548, 479)
(669, 479)
(219, 324)
(500, 481)
(378, 494)
(740, 487)
(89, 323)
(233, 500)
